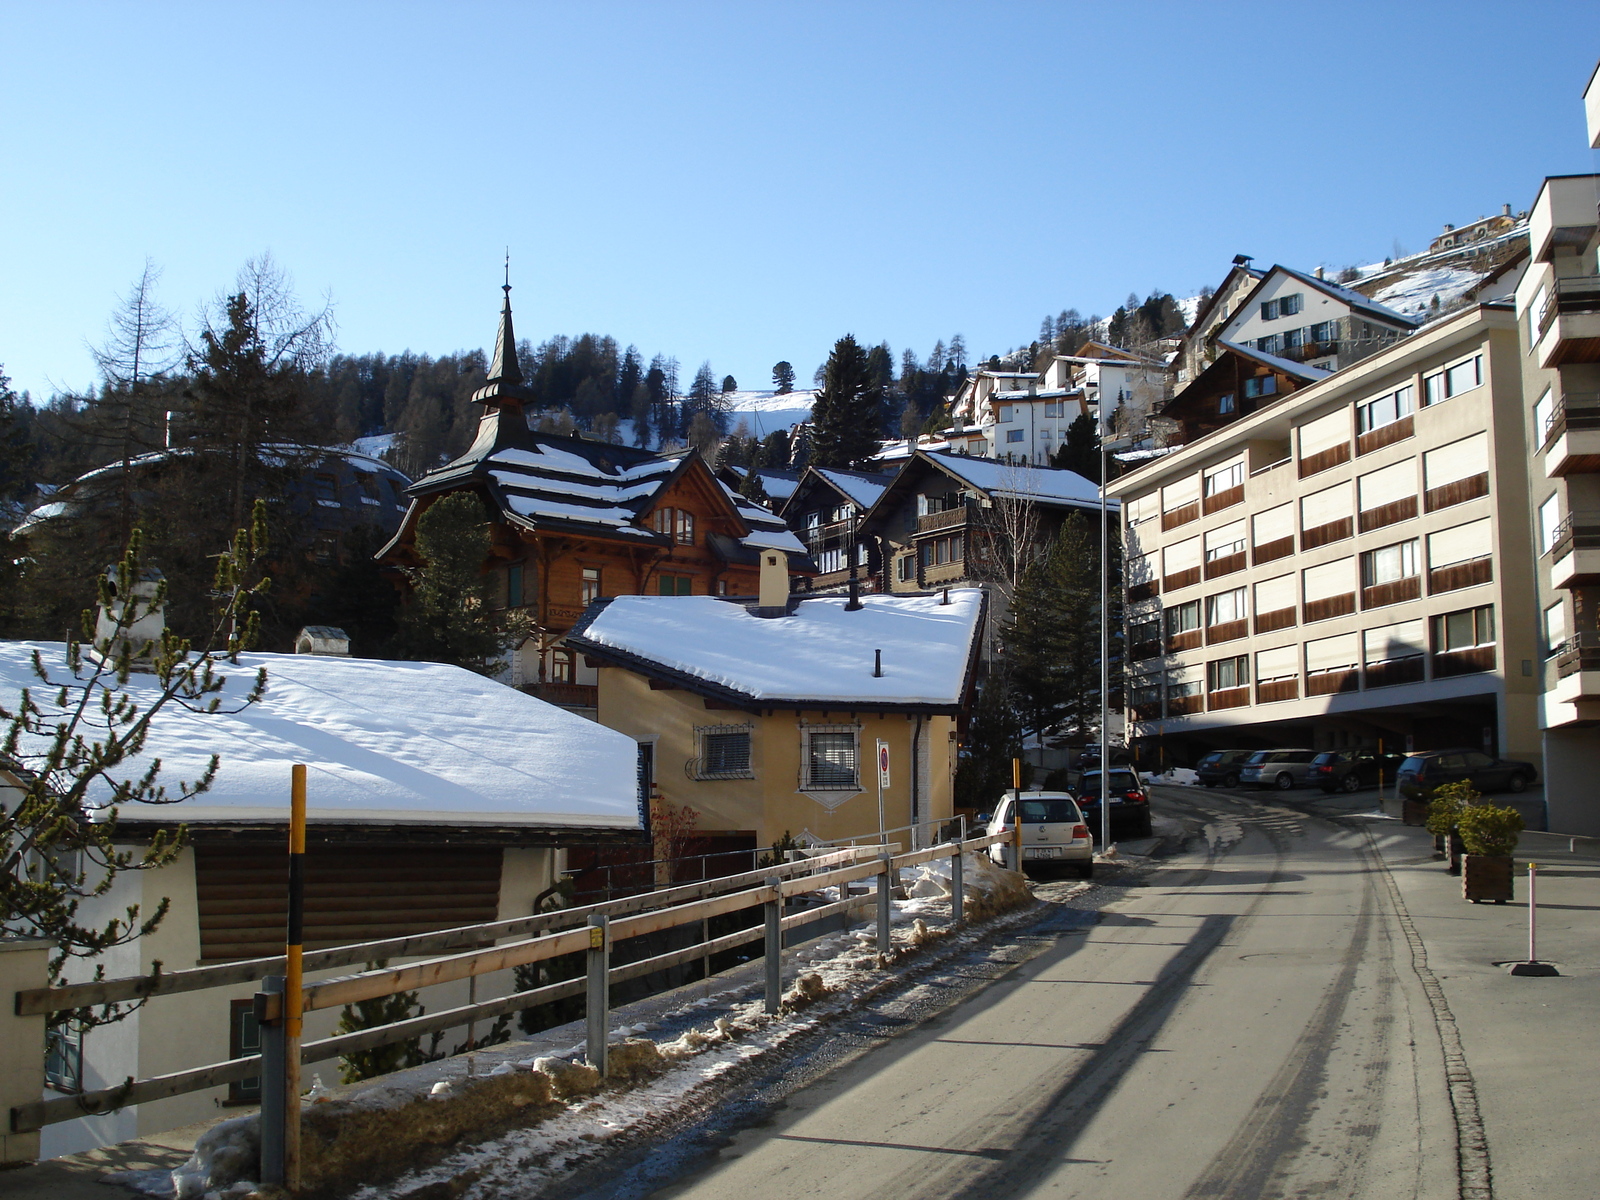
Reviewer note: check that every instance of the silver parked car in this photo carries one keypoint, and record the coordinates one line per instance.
(1281, 769)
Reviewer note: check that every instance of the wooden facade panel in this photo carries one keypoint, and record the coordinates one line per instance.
(1187, 640)
(1272, 551)
(1180, 516)
(1277, 689)
(1226, 565)
(353, 894)
(1330, 606)
(1322, 535)
(1401, 590)
(1388, 514)
(1227, 631)
(1226, 498)
(1458, 492)
(1228, 698)
(1395, 670)
(1280, 618)
(1460, 575)
(1322, 460)
(1388, 435)
(1328, 683)
(1181, 579)
(1463, 662)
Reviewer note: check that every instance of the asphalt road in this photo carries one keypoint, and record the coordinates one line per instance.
(1247, 1024)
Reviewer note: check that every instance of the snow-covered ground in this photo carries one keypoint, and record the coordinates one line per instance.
(1174, 777)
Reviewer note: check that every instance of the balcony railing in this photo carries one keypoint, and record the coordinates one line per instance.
(569, 695)
(942, 520)
(1580, 652)
(1578, 531)
(1576, 294)
(1572, 411)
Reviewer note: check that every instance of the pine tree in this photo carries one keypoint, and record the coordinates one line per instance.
(729, 384)
(994, 738)
(449, 619)
(775, 449)
(845, 418)
(1080, 451)
(783, 377)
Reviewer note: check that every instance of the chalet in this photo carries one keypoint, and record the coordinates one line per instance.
(573, 520)
(1197, 348)
(825, 510)
(1308, 319)
(944, 519)
(436, 798)
(777, 482)
(1239, 381)
(762, 720)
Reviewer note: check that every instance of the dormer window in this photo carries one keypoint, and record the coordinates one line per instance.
(677, 524)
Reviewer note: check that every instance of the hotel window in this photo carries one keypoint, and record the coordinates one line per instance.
(677, 585)
(1549, 522)
(1389, 564)
(1260, 385)
(1385, 409)
(1453, 380)
(1223, 478)
(1225, 607)
(1014, 435)
(1271, 344)
(1325, 331)
(1555, 628)
(513, 585)
(936, 552)
(591, 584)
(1224, 673)
(677, 524)
(1228, 540)
(1544, 412)
(1225, 403)
(1181, 618)
(561, 666)
(906, 568)
(1464, 630)
(829, 759)
(1005, 413)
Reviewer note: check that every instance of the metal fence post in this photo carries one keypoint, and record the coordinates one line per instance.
(599, 991)
(774, 946)
(274, 1083)
(957, 911)
(884, 943)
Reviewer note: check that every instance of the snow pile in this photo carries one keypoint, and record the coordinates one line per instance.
(1175, 777)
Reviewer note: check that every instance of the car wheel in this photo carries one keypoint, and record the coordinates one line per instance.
(1518, 782)
(1284, 781)
(1142, 829)
(1230, 781)
(1086, 870)
(1350, 783)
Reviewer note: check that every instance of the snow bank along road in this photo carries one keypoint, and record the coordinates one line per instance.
(1250, 1022)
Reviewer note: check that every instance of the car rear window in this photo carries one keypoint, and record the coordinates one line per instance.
(1260, 756)
(1121, 781)
(1414, 765)
(1055, 811)
(1214, 757)
(1329, 756)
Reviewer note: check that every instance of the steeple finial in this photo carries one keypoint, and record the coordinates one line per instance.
(505, 384)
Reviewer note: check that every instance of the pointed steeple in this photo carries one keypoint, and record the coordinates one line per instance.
(505, 386)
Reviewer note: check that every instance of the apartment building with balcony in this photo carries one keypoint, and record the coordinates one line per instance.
(825, 511)
(1558, 319)
(1346, 565)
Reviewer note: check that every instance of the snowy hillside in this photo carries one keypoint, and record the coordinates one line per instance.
(764, 412)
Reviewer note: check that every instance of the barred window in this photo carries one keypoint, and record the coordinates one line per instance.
(831, 760)
(724, 752)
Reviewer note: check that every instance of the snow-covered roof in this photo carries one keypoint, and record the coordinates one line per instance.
(767, 529)
(1047, 485)
(1353, 298)
(1287, 366)
(383, 743)
(819, 654)
(863, 489)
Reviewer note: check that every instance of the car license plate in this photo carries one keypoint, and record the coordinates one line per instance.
(1041, 852)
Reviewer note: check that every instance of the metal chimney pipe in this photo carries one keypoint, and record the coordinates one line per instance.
(877, 664)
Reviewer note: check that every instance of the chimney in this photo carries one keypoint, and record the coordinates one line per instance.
(1505, 210)
(1319, 272)
(1448, 227)
(773, 598)
(323, 641)
(137, 621)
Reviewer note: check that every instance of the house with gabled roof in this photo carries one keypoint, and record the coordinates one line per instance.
(1238, 382)
(825, 511)
(766, 719)
(573, 520)
(1307, 319)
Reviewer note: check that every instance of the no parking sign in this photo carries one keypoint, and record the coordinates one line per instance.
(883, 763)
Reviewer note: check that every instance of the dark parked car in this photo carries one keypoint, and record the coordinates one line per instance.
(1222, 766)
(1352, 770)
(1281, 769)
(1130, 802)
(1421, 773)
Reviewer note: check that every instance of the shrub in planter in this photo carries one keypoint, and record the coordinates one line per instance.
(1444, 810)
(1489, 833)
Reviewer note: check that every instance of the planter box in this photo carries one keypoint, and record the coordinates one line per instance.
(1486, 877)
(1414, 812)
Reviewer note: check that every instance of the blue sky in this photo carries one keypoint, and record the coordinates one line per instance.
(745, 182)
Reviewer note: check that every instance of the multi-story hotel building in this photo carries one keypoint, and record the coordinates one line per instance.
(1348, 565)
(1558, 318)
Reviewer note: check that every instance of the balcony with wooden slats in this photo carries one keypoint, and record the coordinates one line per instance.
(1384, 435)
(1460, 491)
(1461, 575)
(1396, 591)
(1392, 513)
(1330, 606)
(1324, 460)
(1326, 533)
(1272, 551)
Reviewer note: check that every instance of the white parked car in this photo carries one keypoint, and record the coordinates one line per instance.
(1054, 833)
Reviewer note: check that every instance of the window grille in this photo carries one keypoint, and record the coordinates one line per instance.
(724, 752)
(830, 759)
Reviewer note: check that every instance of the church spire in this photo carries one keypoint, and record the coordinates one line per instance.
(505, 386)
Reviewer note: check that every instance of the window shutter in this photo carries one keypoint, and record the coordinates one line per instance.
(1458, 460)
(1316, 436)
(1184, 491)
(1274, 595)
(1460, 543)
(1277, 664)
(1332, 652)
(1330, 579)
(1407, 639)
(1180, 556)
(1330, 504)
(1225, 537)
(1388, 485)
(1273, 524)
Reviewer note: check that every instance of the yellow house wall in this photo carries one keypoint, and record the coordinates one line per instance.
(771, 804)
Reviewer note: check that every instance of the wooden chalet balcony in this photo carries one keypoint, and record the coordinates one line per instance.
(1226, 498)
(1395, 670)
(942, 520)
(1279, 618)
(1388, 514)
(1328, 683)
(1384, 435)
(1460, 575)
(1324, 459)
(1269, 691)
(1396, 592)
(1459, 492)
(1330, 606)
(568, 695)
(1227, 631)
(1462, 662)
(1183, 706)
(1227, 564)
(1272, 551)
(1180, 516)
(1236, 697)
(1189, 639)
(1322, 535)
